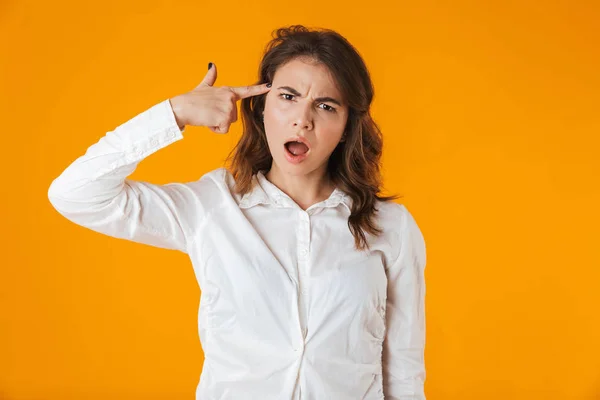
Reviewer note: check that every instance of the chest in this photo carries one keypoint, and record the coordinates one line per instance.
(262, 256)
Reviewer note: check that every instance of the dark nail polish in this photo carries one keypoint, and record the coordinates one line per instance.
(209, 65)
(269, 84)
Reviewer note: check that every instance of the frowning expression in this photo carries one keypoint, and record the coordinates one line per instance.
(305, 102)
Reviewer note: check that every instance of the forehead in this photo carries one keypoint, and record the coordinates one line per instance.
(305, 75)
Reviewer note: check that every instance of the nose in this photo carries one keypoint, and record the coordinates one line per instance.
(303, 120)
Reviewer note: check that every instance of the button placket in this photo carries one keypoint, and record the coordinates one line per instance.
(303, 250)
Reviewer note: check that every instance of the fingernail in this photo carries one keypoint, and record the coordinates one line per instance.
(209, 65)
(269, 84)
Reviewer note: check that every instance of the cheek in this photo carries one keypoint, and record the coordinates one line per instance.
(275, 114)
(278, 111)
(331, 133)
(330, 141)
(275, 125)
(273, 130)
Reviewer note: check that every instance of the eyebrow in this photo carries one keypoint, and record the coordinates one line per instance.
(323, 99)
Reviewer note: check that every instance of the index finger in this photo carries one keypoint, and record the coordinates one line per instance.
(252, 90)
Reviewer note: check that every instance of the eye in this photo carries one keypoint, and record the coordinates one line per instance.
(286, 94)
(328, 107)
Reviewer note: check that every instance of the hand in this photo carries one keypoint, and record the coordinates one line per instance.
(213, 107)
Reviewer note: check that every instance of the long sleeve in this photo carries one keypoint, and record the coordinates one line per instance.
(404, 342)
(94, 192)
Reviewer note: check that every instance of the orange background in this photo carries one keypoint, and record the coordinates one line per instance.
(491, 120)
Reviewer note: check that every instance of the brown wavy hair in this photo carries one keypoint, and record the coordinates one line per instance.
(354, 165)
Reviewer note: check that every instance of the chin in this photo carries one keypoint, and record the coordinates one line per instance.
(292, 169)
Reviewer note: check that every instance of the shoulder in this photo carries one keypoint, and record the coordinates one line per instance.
(211, 188)
(391, 216)
(216, 175)
(400, 229)
(218, 186)
(217, 178)
(210, 180)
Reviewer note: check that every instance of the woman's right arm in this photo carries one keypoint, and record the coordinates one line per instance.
(94, 192)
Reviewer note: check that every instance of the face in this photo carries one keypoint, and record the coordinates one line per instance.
(296, 105)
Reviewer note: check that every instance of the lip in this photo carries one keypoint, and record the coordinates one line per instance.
(292, 158)
(298, 139)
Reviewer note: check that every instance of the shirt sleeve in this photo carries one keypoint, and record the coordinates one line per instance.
(404, 342)
(94, 192)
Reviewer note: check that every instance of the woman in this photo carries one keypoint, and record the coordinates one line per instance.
(312, 285)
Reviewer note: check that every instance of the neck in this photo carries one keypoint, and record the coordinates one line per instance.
(306, 189)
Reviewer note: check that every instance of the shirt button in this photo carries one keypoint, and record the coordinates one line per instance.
(303, 252)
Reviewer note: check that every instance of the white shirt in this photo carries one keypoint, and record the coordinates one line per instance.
(288, 308)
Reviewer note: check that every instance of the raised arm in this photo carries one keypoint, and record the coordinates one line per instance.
(94, 192)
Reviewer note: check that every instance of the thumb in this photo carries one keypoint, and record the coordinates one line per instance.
(210, 77)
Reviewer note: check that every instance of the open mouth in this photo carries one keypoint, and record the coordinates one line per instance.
(296, 148)
(296, 151)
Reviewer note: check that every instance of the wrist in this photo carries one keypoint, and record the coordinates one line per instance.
(177, 107)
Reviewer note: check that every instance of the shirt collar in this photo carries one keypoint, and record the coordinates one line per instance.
(265, 192)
